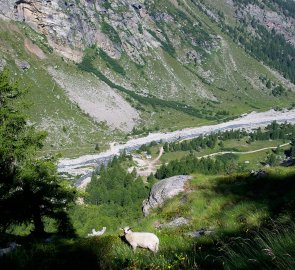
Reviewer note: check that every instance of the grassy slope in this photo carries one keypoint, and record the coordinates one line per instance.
(70, 130)
(236, 84)
(237, 208)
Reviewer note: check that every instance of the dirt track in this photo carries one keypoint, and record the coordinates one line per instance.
(146, 166)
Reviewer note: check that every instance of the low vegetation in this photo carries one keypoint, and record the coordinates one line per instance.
(107, 29)
(250, 216)
(112, 63)
(273, 131)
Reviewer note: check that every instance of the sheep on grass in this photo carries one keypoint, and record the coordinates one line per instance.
(141, 239)
(12, 246)
(97, 233)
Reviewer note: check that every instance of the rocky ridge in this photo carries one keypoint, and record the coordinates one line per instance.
(271, 19)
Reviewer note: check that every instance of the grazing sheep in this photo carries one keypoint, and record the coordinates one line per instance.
(97, 233)
(141, 239)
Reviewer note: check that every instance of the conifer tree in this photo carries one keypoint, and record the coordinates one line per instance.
(30, 188)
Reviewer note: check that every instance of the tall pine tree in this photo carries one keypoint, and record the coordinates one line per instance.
(30, 188)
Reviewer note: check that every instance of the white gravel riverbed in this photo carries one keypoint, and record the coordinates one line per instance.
(247, 121)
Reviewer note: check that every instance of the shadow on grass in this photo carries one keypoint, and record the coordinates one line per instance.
(228, 252)
(92, 253)
(274, 191)
(108, 252)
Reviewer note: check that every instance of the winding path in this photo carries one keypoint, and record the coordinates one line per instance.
(159, 156)
(243, 153)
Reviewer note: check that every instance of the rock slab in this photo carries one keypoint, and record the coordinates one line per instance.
(163, 190)
(2, 64)
(177, 222)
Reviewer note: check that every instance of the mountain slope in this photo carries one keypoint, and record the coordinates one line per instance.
(140, 63)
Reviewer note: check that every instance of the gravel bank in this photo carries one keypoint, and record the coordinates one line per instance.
(247, 121)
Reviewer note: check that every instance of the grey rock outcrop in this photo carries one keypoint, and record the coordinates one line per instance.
(22, 65)
(69, 30)
(116, 26)
(7, 9)
(180, 221)
(199, 233)
(163, 190)
(259, 174)
(2, 64)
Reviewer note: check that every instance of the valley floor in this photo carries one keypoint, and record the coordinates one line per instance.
(248, 121)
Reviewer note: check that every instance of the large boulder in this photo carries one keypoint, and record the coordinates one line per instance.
(163, 190)
(22, 65)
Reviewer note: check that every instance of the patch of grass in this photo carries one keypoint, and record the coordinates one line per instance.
(232, 203)
(167, 119)
(269, 249)
(75, 254)
(109, 30)
(112, 63)
(166, 45)
(167, 157)
(243, 146)
(37, 38)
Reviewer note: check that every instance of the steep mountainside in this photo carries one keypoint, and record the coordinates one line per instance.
(97, 70)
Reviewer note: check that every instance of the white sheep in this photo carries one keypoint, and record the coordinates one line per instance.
(11, 247)
(97, 233)
(142, 239)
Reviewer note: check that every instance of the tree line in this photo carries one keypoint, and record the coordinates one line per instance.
(189, 164)
(267, 46)
(226, 163)
(273, 131)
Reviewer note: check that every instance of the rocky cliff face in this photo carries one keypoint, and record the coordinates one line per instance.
(71, 26)
(271, 19)
(135, 27)
(7, 9)
(116, 26)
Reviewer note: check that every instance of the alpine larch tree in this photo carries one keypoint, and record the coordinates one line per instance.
(30, 188)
